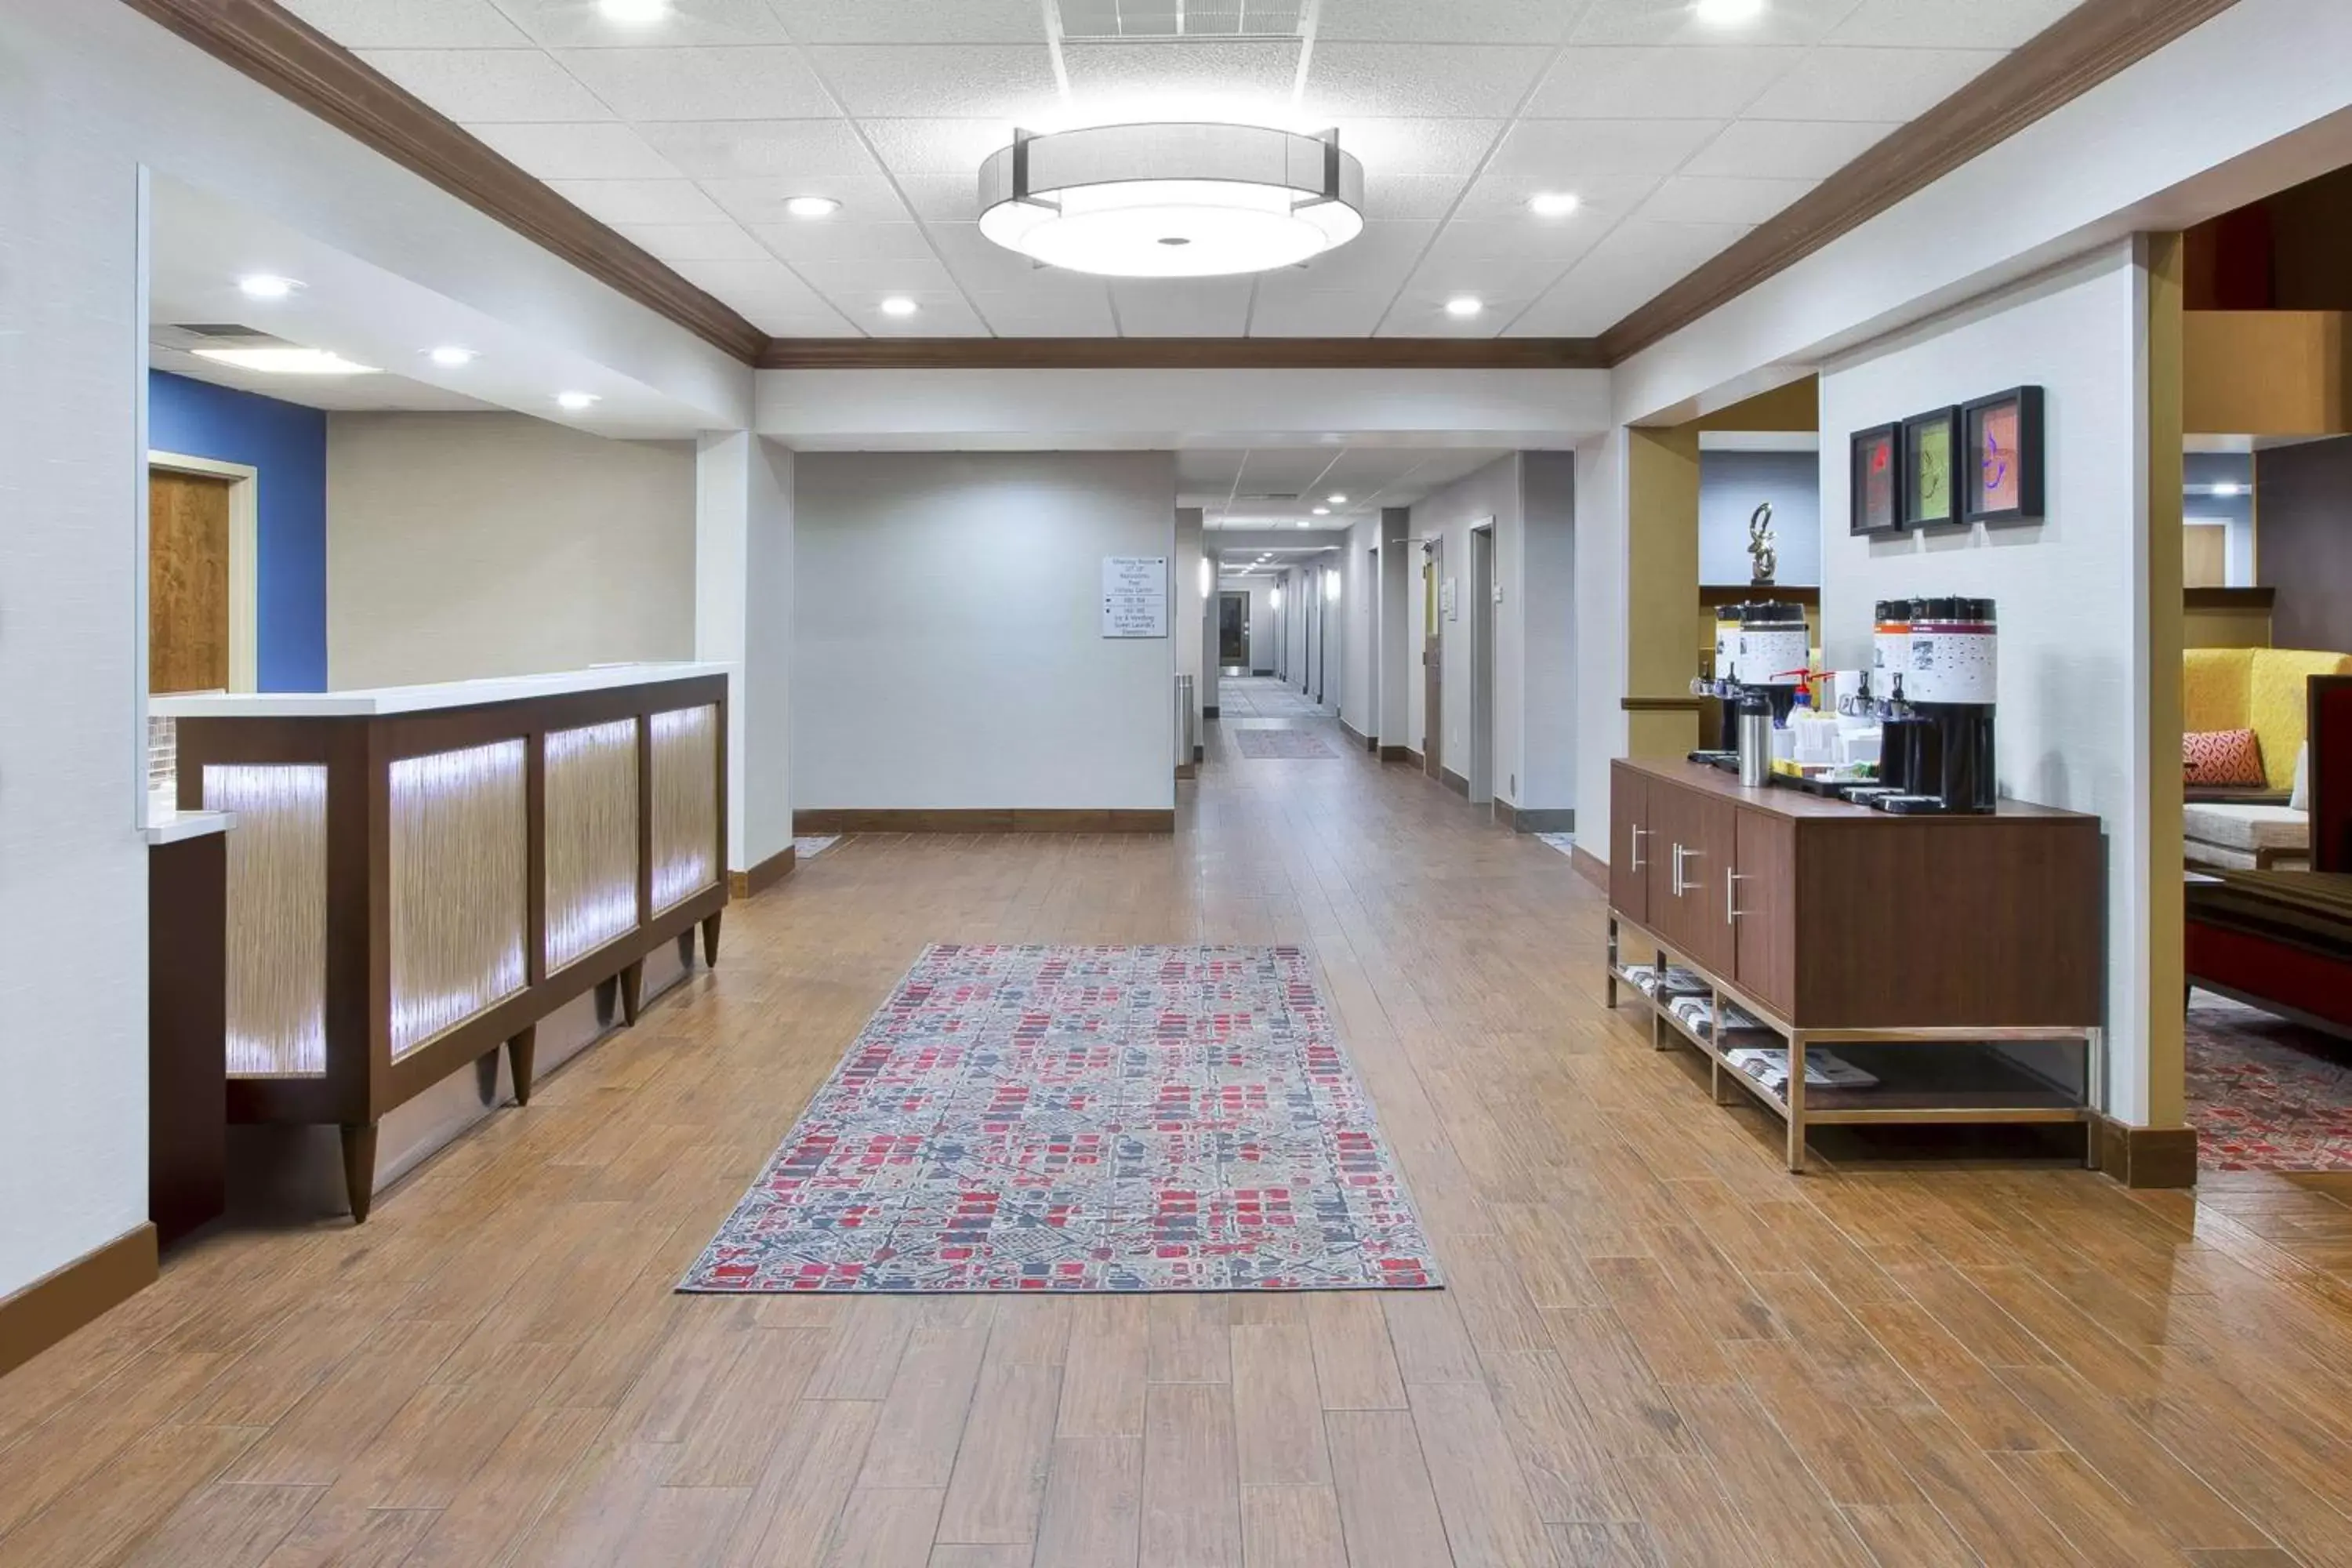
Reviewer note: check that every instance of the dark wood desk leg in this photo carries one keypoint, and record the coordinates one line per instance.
(359, 1168)
(686, 947)
(519, 1051)
(633, 989)
(606, 991)
(710, 938)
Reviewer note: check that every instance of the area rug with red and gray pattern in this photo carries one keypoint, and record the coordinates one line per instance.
(1113, 1119)
(2265, 1094)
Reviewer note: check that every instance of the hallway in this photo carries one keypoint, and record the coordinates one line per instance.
(1654, 1346)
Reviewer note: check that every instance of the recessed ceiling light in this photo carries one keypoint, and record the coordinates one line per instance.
(576, 401)
(449, 357)
(1720, 12)
(1464, 305)
(899, 305)
(1322, 512)
(2226, 488)
(1338, 498)
(812, 206)
(266, 286)
(287, 362)
(634, 13)
(1304, 523)
(1552, 203)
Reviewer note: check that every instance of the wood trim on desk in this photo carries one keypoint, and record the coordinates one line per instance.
(765, 875)
(1660, 704)
(65, 1298)
(2229, 598)
(1712, 595)
(2072, 55)
(1180, 353)
(2145, 1157)
(1021, 819)
(304, 66)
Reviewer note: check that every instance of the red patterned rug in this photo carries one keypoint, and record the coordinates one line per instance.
(2265, 1094)
(1083, 1118)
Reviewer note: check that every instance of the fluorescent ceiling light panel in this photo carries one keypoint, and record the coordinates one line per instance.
(287, 362)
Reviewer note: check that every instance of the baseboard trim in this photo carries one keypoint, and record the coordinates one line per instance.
(1455, 781)
(1021, 819)
(82, 1291)
(1359, 736)
(1399, 754)
(1263, 674)
(1589, 866)
(1186, 770)
(2146, 1156)
(763, 876)
(1535, 819)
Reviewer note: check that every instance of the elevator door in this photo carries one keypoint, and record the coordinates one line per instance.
(1233, 631)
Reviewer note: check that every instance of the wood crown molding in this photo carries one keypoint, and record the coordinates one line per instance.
(294, 60)
(1181, 354)
(2066, 59)
(58, 1303)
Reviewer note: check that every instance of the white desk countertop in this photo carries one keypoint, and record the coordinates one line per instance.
(175, 825)
(420, 699)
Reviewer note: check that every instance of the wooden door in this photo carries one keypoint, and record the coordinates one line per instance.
(1691, 842)
(188, 582)
(2205, 555)
(1432, 664)
(1761, 909)
(1629, 842)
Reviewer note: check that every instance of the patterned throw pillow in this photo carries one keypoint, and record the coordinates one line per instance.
(2221, 759)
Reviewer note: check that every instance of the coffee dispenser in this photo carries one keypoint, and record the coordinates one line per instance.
(1941, 702)
(1764, 648)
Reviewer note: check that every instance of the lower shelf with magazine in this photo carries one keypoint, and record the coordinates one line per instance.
(1853, 1076)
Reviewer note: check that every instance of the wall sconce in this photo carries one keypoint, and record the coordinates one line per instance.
(1331, 586)
(1274, 595)
(1208, 577)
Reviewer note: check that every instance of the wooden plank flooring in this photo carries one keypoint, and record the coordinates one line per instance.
(1657, 1347)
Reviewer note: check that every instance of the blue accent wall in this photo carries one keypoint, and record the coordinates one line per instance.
(288, 444)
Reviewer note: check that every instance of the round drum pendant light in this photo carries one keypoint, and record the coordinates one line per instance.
(1172, 200)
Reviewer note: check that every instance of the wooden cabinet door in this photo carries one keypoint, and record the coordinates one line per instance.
(1629, 844)
(1692, 839)
(1758, 902)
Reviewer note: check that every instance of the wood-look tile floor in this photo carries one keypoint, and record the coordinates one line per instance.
(1656, 1348)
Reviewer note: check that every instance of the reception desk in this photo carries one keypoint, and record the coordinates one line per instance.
(421, 874)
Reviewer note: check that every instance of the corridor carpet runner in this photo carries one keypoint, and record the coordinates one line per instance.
(1289, 744)
(2265, 1094)
(1115, 1118)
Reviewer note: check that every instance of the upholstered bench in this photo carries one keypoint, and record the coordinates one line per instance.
(2232, 837)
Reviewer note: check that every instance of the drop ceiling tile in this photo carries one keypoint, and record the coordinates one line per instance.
(1411, 196)
(981, 265)
(1182, 80)
(864, 199)
(1657, 83)
(415, 25)
(1566, 151)
(778, 322)
(1207, 470)
(1706, 198)
(838, 239)
(1376, 261)
(489, 86)
(921, 277)
(676, 242)
(1417, 314)
(938, 315)
(1186, 308)
(1786, 149)
(603, 150)
(736, 149)
(1869, 84)
(1490, 278)
(1544, 249)
(1634, 262)
(1283, 310)
(916, 21)
(1939, 24)
(1002, 82)
(570, 23)
(1419, 81)
(766, 280)
(1677, 22)
(943, 146)
(1024, 316)
(942, 198)
(1602, 199)
(1456, 21)
(640, 201)
(755, 82)
(1389, 147)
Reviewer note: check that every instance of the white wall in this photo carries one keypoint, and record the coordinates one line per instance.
(742, 617)
(1491, 493)
(471, 544)
(1601, 589)
(1358, 620)
(2069, 592)
(1192, 618)
(1546, 619)
(947, 648)
(1399, 648)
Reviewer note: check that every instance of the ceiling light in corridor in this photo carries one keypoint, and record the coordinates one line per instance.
(449, 357)
(634, 13)
(812, 206)
(1552, 203)
(1464, 306)
(286, 361)
(266, 286)
(1172, 200)
(899, 305)
(1721, 12)
(1337, 498)
(576, 401)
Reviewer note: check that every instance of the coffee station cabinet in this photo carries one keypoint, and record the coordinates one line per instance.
(1931, 945)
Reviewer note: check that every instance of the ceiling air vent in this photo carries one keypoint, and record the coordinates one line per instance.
(1085, 21)
(212, 335)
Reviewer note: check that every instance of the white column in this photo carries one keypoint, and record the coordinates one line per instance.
(1398, 653)
(743, 615)
(1192, 608)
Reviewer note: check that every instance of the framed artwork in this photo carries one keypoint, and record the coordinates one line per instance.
(2001, 478)
(1931, 451)
(1877, 476)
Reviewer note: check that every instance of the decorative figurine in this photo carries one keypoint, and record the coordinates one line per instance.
(1763, 553)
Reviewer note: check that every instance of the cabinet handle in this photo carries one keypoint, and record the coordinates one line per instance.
(1731, 910)
(1681, 883)
(1639, 833)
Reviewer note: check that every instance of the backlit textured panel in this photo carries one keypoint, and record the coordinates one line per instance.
(277, 916)
(458, 887)
(591, 838)
(685, 803)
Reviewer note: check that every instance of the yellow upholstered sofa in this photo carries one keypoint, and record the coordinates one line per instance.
(2264, 690)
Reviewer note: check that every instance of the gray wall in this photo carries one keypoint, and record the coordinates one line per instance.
(2237, 510)
(471, 544)
(1730, 484)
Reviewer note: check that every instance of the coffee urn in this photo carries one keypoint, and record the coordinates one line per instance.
(1949, 682)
